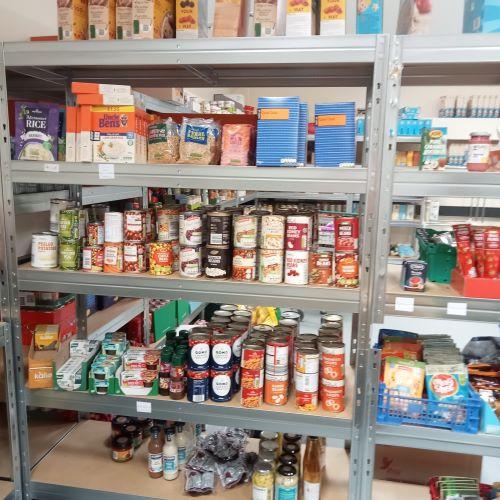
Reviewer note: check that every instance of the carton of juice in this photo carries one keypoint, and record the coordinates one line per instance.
(124, 24)
(72, 19)
(153, 19)
(102, 21)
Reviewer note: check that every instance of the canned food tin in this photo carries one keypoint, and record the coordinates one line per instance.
(289, 324)
(306, 382)
(93, 259)
(176, 250)
(236, 378)
(199, 351)
(252, 379)
(44, 250)
(307, 360)
(95, 233)
(320, 268)
(296, 267)
(190, 262)
(332, 395)
(113, 227)
(221, 352)
(56, 205)
(134, 225)
(150, 225)
(346, 234)
(69, 224)
(245, 231)
(252, 356)
(290, 314)
(221, 389)
(218, 262)
(242, 315)
(191, 229)
(113, 257)
(271, 266)
(222, 313)
(266, 329)
(244, 264)
(83, 219)
(346, 270)
(272, 233)
(298, 232)
(228, 307)
(167, 224)
(276, 389)
(326, 229)
(219, 228)
(251, 398)
(134, 257)
(69, 251)
(331, 318)
(332, 360)
(237, 340)
(198, 383)
(277, 352)
(306, 401)
(161, 259)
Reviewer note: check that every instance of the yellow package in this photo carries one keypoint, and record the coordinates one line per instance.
(102, 21)
(262, 315)
(46, 337)
(72, 19)
(405, 376)
(153, 19)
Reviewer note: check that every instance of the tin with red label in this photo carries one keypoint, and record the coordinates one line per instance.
(306, 401)
(251, 398)
(307, 360)
(198, 383)
(199, 351)
(167, 224)
(113, 258)
(298, 232)
(244, 264)
(221, 352)
(252, 356)
(296, 267)
(221, 388)
(134, 257)
(346, 270)
(245, 231)
(277, 352)
(95, 233)
(190, 262)
(93, 259)
(332, 359)
(191, 228)
(346, 234)
(134, 225)
(320, 268)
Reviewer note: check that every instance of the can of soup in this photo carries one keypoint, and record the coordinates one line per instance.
(296, 267)
(113, 227)
(93, 259)
(190, 262)
(167, 224)
(113, 257)
(69, 253)
(44, 248)
(191, 228)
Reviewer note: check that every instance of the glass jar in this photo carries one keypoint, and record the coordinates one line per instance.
(117, 425)
(122, 449)
(286, 483)
(288, 459)
(134, 432)
(262, 481)
(269, 446)
(145, 425)
(269, 436)
(478, 158)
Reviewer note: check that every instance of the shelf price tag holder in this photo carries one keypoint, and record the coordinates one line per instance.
(106, 171)
(456, 308)
(143, 407)
(404, 304)
(51, 167)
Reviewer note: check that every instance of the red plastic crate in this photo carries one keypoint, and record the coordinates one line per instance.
(64, 316)
(482, 288)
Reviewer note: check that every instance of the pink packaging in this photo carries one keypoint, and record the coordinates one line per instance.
(237, 142)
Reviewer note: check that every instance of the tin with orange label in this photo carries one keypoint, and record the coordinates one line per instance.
(346, 270)
(307, 360)
(251, 398)
(276, 389)
(251, 379)
(252, 356)
(306, 401)
(332, 359)
(113, 257)
(332, 393)
(320, 268)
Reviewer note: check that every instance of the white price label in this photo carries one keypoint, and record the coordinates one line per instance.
(106, 171)
(143, 407)
(51, 167)
(456, 308)
(405, 304)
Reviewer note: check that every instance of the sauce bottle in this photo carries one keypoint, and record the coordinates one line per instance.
(181, 442)
(155, 453)
(312, 469)
(170, 464)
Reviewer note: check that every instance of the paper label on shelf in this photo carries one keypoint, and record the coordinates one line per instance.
(143, 407)
(406, 304)
(51, 167)
(106, 171)
(457, 308)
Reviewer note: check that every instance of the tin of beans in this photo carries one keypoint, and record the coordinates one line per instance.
(296, 267)
(198, 383)
(167, 224)
(320, 268)
(161, 258)
(332, 355)
(252, 356)
(244, 264)
(134, 225)
(221, 385)
(69, 224)
(271, 266)
(93, 259)
(191, 229)
(95, 233)
(251, 398)
(346, 270)
(306, 401)
(272, 233)
(134, 257)
(307, 360)
(276, 389)
(221, 352)
(326, 229)
(69, 251)
(245, 231)
(44, 250)
(219, 228)
(199, 351)
(190, 262)
(298, 232)
(346, 234)
(113, 257)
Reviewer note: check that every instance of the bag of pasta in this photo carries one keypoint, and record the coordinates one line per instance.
(163, 142)
(199, 141)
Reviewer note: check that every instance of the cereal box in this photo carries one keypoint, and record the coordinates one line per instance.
(332, 17)
(153, 19)
(186, 19)
(72, 18)
(46, 337)
(71, 133)
(124, 19)
(369, 16)
(102, 21)
(265, 17)
(299, 18)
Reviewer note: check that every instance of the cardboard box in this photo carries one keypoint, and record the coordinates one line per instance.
(72, 19)
(369, 17)
(228, 18)
(187, 19)
(102, 19)
(124, 23)
(153, 19)
(43, 364)
(71, 133)
(393, 463)
(46, 337)
(332, 17)
(84, 127)
(299, 18)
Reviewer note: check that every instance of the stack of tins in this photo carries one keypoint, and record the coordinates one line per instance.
(72, 223)
(218, 247)
(245, 238)
(164, 253)
(272, 243)
(345, 262)
(298, 239)
(191, 241)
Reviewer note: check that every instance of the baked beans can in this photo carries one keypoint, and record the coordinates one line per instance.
(306, 382)
(190, 262)
(199, 351)
(217, 262)
(296, 267)
(161, 258)
(277, 352)
(276, 388)
(150, 225)
(346, 234)
(326, 229)
(221, 387)
(332, 361)
(244, 264)
(270, 266)
(251, 398)
(134, 225)
(191, 228)
(113, 257)
(307, 360)
(252, 356)
(346, 270)
(93, 259)
(44, 249)
(306, 401)
(134, 257)
(219, 228)
(290, 324)
(176, 250)
(332, 394)
(69, 224)
(69, 253)
(245, 228)
(320, 268)
(113, 227)
(198, 383)
(221, 352)
(95, 233)
(167, 224)
(56, 205)
(272, 232)
(298, 232)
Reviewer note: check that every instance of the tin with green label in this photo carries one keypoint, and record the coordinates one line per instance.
(69, 253)
(69, 224)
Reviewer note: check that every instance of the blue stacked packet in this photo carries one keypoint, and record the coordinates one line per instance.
(303, 118)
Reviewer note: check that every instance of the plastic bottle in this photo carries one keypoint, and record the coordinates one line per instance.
(181, 442)
(155, 453)
(170, 465)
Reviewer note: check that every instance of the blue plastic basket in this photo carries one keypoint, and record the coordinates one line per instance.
(461, 417)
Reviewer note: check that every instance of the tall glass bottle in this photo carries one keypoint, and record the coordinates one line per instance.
(155, 453)
(170, 459)
(312, 469)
